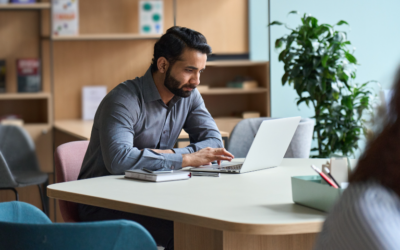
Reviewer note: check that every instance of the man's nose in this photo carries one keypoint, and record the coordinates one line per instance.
(196, 79)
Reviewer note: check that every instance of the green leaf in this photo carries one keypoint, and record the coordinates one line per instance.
(278, 43)
(341, 22)
(293, 12)
(275, 23)
(285, 77)
(324, 60)
(350, 57)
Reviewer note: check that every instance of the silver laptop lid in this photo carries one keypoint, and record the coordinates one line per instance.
(270, 144)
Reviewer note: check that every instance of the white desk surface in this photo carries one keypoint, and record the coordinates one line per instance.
(255, 203)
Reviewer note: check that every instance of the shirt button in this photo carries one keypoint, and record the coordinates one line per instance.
(164, 132)
(172, 167)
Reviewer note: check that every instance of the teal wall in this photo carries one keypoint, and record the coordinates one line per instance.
(375, 33)
(258, 30)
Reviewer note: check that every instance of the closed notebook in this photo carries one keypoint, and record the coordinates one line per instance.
(157, 177)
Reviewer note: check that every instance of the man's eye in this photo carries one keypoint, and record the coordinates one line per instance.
(189, 70)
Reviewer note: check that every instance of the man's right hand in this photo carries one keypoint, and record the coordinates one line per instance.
(205, 156)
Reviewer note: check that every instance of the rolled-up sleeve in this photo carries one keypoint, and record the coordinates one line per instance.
(116, 131)
(201, 127)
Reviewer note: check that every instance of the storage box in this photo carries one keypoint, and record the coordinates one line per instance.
(311, 192)
(28, 75)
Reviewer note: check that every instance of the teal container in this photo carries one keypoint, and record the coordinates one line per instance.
(310, 191)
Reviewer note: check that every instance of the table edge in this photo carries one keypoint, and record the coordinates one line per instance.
(257, 229)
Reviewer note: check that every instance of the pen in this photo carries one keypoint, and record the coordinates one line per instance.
(329, 173)
(326, 178)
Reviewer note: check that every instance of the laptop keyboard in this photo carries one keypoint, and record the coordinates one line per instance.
(233, 167)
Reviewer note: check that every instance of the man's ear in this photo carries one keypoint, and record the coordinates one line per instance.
(162, 64)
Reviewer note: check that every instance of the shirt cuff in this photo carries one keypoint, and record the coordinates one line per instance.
(173, 161)
(182, 151)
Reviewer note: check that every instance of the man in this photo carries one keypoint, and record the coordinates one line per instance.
(139, 121)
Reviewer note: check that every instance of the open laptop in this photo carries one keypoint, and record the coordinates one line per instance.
(267, 150)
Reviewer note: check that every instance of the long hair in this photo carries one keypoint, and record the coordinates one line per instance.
(381, 159)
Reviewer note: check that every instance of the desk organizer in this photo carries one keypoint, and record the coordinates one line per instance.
(311, 192)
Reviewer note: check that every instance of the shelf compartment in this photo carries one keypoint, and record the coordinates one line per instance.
(94, 37)
(232, 91)
(33, 6)
(234, 63)
(24, 96)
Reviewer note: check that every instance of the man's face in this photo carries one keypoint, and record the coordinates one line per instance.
(184, 75)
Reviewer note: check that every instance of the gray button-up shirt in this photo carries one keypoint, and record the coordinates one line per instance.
(132, 119)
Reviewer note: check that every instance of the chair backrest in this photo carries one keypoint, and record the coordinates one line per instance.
(23, 226)
(21, 212)
(244, 132)
(68, 161)
(18, 148)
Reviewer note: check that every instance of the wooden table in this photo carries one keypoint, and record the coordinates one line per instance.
(82, 129)
(235, 211)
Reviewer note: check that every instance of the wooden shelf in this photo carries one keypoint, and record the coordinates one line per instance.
(33, 6)
(232, 91)
(86, 37)
(24, 96)
(234, 63)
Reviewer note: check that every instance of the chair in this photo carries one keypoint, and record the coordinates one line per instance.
(68, 160)
(244, 132)
(23, 226)
(18, 163)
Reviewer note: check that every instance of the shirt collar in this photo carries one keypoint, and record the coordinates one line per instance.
(150, 91)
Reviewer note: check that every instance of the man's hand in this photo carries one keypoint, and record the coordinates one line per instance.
(205, 156)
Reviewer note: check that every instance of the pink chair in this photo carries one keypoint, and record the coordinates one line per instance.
(68, 160)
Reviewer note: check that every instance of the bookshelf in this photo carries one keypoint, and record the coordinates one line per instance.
(33, 6)
(99, 37)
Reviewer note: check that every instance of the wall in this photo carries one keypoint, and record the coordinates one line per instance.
(375, 32)
(258, 30)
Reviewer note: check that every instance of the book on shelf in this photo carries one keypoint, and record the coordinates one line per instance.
(243, 83)
(151, 17)
(23, 1)
(65, 17)
(2, 76)
(28, 75)
(157, 177)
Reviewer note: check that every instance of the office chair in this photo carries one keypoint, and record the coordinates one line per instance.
(244, 132)
(23, 226)
(18, 163)
(68, 160)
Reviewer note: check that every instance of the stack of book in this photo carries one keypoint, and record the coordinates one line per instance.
(158, 177)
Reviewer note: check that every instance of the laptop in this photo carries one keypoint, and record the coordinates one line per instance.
(267, 150)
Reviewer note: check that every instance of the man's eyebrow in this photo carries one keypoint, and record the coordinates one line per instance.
(193, 67)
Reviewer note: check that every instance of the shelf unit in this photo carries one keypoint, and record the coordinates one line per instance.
(33, 6)
(94, 37)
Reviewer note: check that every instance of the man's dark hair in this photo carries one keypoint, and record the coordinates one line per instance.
(172, 44)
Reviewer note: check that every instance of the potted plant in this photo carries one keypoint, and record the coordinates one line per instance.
(320, 66)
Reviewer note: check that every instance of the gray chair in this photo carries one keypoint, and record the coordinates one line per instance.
(243, 134)
(18, 163)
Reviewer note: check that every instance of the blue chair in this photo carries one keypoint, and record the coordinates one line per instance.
(23, 226)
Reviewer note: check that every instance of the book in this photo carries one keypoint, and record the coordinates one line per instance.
(157, 177)
(23, 1)
(65, 17)
(2, 76)
(251, 84)
(151, 17)
(28, 75)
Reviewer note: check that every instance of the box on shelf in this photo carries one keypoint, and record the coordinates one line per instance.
(202, 87)
(91, 98)
(243, 83)
(65, 17)
(28, 75)
(23, 1)
(310, 191)
(2, 76)
(15, 120)
(151, 17)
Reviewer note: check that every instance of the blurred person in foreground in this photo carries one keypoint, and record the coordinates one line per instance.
(139, 121)
(367, 216)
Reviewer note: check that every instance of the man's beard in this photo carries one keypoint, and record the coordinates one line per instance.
(173, 85)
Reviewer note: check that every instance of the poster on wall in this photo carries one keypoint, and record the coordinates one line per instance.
(151, 17)
(65, 17)
(91, 99)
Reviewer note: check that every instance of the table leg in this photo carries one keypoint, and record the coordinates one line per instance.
(200, 238)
